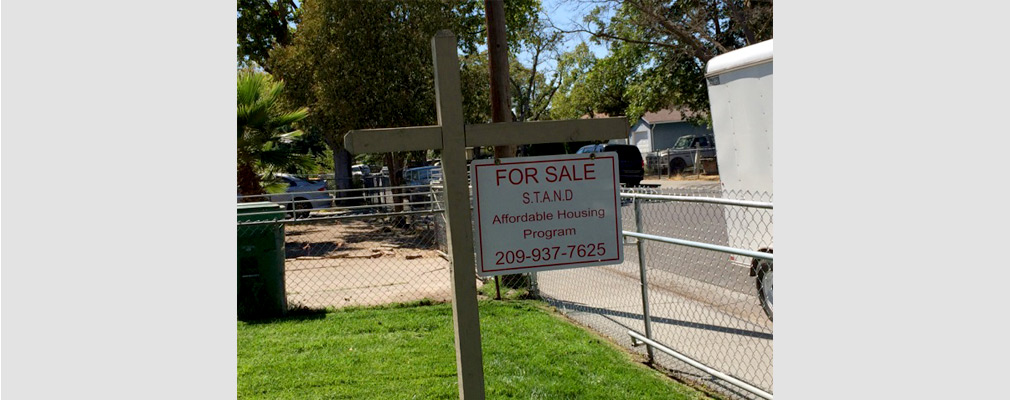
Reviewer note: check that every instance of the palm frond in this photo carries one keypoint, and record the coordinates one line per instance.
(290, 136)
(264, 129)
(250, 85)
(290, 118)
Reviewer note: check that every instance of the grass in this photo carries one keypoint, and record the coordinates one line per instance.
(407, 352)
(518, 291)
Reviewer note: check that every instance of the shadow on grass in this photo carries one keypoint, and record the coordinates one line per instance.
(299, 312)
(409, 304)
(513, 287)
(296, 312)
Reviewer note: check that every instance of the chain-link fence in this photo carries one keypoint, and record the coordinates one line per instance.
(701, 303)
(358, 252)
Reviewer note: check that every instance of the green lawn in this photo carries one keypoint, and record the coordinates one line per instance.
(407, 352)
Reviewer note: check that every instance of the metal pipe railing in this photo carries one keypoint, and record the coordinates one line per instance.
(340, 208)
(339, 217)
(645, 283)
(700, 245)
(334, 191)
(693, 199)
(646, 316)
(366, 197)
(743, 385)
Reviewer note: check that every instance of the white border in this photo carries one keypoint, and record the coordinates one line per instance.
(538, 159)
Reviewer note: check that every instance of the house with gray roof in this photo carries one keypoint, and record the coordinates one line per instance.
(660, 130)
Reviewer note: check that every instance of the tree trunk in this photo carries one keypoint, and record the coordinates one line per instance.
(248, 182)
(395, 179)
(341, 168)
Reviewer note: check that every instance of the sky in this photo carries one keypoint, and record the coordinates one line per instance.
(566, 14)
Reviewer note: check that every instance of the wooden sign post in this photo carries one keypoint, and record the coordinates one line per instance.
(452, 136)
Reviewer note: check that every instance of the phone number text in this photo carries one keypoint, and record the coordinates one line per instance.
(549, 253)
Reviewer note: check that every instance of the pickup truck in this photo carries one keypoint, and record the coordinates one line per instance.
(682, 154)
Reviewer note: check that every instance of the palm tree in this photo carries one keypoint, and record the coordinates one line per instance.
(263, 130)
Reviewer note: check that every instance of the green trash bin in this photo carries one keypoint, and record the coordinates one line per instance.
(261, 261)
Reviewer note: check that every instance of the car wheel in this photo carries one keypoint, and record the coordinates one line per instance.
(677, 165)
(304, 205)
(764, 286)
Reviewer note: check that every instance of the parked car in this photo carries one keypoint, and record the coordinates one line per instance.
(421, 177)
(682, 154)
(302, 195)
(630, 164)
(360, 170)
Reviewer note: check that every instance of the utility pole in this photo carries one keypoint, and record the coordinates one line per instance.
(498, 66)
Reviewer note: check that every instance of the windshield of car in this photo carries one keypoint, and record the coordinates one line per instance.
(684, 142)
(626, 153)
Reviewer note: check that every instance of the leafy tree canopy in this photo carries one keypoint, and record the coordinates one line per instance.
(368, 64)
(263, 24)
(658, 53)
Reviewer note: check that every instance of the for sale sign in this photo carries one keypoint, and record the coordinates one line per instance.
(546, 213)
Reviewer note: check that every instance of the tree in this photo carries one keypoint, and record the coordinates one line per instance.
(670, 42)
(264, 126)
(476, 88)
(262, 25)
(362, 65)
(532, 90)
(574, 97)
(367, 65)
(592, 86)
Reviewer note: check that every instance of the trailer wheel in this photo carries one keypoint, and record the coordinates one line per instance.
(764, 286)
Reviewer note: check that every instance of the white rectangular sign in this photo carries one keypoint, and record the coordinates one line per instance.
(546, 213)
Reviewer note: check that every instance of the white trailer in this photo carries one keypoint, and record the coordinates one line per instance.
(740, 93)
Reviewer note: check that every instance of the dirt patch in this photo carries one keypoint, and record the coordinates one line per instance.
(349, 263)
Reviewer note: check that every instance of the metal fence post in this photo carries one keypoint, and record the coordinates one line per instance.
(645, 283)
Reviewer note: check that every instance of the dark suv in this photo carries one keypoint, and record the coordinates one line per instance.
(630, 166)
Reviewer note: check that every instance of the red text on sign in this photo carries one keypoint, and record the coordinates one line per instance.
(552, 174)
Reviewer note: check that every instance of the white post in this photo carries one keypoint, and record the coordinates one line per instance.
(466, 323)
